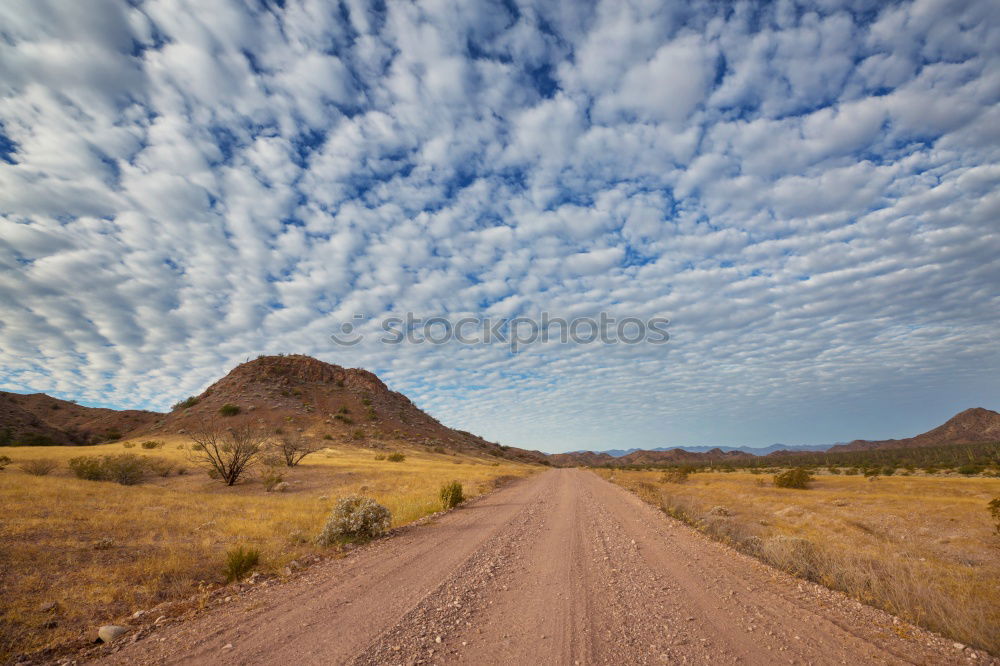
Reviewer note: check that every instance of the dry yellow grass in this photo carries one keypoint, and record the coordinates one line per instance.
(169, 534)
(922, 547)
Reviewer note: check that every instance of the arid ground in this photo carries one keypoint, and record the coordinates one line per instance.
(559, 568)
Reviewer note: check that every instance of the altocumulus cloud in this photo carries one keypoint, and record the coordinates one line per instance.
(809, 191)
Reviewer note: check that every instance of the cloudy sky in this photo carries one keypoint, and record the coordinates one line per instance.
(809, 192)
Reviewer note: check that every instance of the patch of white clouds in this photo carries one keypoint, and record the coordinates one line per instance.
(808, 191)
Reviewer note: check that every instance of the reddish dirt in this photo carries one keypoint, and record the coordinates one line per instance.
(562, 568)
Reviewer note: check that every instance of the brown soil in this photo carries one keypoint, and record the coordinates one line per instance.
(562, 568)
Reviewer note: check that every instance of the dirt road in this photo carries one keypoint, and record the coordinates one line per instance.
(562, 568)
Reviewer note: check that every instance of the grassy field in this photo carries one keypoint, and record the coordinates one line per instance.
(922, 547)
(101, 550)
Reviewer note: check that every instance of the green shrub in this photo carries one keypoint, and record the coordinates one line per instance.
(229, 409)
(793, 478)
(888, 470)
(328, 436)
(834, 470)
(240, 561)
(355, 517)
(345, 419)
(395, 456)
(127, 469)
(38, 467)
(344, 410)
(112, 436)
(190, 401)
(438, 449)
(852, 471)
(969, 470)
(34, 439)
(88, 468)
(451, 495)
(358, 435)
(152, 444)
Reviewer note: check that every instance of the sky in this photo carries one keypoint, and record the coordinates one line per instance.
(808, 192)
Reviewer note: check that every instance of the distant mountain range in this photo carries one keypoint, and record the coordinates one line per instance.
(753, 450)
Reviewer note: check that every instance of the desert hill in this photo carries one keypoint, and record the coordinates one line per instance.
(972, 426)
(38, 418)
(293, 393)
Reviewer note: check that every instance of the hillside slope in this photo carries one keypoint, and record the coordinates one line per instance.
(37, 418)
(969, 427)
(293, 393)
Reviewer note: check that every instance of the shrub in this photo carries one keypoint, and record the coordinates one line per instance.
(852, 471)
(4, 461)
(451, 495)
(395, 456)
(888, 470)
(190, 401)
(969, 470)
(438, 449)
(379, 456)
(127, 469)
(675, 475)
(834, 470)
(112, 436)
(346, 419)
(344, 410)
(89, 468)
(271, 478)
(355, 517)
(34, 439)
(228, 453)
(160, 466)
(793, 478)
(239, 562)
(38, 467)
(152, 444)
(128, 445)
(994, 509)
(293, 447)
(358, 435)
(328, 437)
(229, 409)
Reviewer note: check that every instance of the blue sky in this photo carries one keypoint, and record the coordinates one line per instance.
(810, 192)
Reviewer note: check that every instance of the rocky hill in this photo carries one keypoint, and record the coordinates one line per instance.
(293, 393)
(38, 419)
(972, 426)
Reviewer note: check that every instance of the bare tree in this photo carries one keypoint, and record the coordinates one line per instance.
(228, 452)
(293, 447)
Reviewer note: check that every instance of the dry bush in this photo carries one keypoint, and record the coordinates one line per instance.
(798, 478)
(4, 461)
(152, 444)
(293, 447)
(994, 509)
(228, 453)
(38, 467)
(270, 477)
(675, 475)
(395, 456)
(355, 517)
